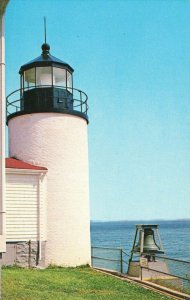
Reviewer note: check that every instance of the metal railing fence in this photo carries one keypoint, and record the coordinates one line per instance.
(113, 259)
(167, 272)
(177, 276)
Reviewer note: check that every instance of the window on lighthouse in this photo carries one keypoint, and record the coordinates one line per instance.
(29, 78)
(59, 77)
(43, 76)
(69, 82)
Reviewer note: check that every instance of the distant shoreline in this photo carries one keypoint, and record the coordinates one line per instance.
(141, 221)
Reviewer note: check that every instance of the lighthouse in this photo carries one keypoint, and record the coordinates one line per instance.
(47, 121)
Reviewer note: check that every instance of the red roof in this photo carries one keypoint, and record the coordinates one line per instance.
(14, 163)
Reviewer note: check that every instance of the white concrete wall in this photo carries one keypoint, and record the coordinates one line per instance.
(25, 205)
(59, 142)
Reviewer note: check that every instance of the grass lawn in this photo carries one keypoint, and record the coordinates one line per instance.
(69, 283)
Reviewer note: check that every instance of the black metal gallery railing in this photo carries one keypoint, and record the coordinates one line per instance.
(46, 98)
(113, 259)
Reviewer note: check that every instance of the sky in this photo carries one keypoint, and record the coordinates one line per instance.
(132, 58)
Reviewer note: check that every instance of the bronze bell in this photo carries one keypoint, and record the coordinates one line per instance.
(149, 244)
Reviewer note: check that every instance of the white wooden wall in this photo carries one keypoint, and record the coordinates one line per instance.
(25, 206)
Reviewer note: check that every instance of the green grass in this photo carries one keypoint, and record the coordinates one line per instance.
(175, 284)
(69, 283)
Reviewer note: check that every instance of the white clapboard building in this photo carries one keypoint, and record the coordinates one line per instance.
(25, 212)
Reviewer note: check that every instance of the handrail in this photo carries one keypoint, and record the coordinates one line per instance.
(44, 86)
(78, 98)
(119, 259)
(174, 259)
(125, 253)
(108, 259)
(97, 247)
(165, 273)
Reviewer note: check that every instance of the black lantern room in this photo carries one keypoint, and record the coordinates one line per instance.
(47, 86)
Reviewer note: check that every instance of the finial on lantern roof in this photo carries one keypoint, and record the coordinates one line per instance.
(45, 46)
(45, 29)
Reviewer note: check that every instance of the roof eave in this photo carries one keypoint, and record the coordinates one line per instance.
(45, 64)
(25, 171)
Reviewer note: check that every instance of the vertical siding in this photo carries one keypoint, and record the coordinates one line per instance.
(24, 215)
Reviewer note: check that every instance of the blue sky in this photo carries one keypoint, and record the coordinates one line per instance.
(132, 58)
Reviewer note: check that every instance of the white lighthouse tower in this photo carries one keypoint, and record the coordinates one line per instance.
(48, 127)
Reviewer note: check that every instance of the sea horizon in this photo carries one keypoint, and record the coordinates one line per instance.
(144, 220)
(120, 234)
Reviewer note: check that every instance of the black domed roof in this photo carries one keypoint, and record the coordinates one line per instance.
(45, 59)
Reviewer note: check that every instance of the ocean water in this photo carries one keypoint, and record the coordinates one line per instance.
(175, 236)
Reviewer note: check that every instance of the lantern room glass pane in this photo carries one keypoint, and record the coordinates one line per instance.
(69, 82)
(43, 76)
(29, 78)
(59, 77)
